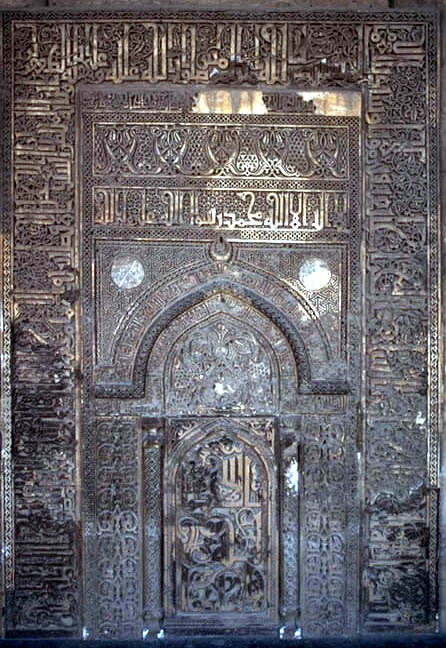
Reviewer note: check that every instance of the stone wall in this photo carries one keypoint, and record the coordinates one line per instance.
(226, 4)
(273, 5)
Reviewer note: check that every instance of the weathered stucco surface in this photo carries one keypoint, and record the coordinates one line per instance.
(360, 5)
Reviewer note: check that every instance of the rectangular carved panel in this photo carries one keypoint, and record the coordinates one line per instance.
(190, 323)
(223, 495)
(393, 57)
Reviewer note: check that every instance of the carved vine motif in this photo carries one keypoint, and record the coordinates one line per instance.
(223, 506)
(396, 56)
(219, 151)
(117, 527)
(226, 359)
(220, 367)
(139, 335)
(325, 541)
(220, 529)
(208, 152)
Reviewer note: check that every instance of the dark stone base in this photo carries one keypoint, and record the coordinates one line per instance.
(364, 641)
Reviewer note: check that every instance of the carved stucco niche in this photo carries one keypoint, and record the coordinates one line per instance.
(393, 57)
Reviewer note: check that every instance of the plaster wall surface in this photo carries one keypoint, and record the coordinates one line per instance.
(360, 5)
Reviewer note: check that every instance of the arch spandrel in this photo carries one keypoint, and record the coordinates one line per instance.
(284, 306)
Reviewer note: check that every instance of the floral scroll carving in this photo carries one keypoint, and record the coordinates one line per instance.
(220, 529)
(221, 151)
(222, 368)
(223, 492)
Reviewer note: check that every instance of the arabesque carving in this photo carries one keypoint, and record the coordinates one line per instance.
(393, 56)
(222, 546)
(221, 367)
(220, 151)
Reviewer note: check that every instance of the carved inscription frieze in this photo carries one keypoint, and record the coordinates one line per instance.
(46, 531)
(214, 171)
(398, 197)
(205, 48)
(222, 209)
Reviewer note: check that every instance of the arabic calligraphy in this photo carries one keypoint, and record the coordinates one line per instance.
(223, 209)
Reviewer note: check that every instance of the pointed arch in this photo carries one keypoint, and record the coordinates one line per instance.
(199, 295)
(133, 363)
(220, 484)
(222, 356)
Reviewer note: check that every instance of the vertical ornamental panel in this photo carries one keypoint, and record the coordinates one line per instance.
(221, 534)
(117, 611)
(401, 318)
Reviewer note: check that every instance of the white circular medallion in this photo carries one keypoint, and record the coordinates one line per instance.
(314, 274)
(127, 272)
